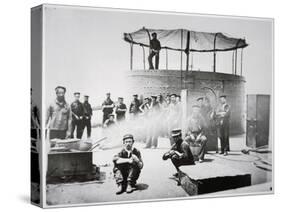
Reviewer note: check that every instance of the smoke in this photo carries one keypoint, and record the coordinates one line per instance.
(158, 121)
(146, 127)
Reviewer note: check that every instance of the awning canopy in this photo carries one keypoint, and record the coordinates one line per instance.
(177, 40)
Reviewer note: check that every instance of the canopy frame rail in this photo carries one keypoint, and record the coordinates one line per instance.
(188, 50)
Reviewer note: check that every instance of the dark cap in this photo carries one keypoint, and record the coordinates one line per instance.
(76, 93)
(126, 136)
(135, 95)
(146, 98)
(107, 93)
(86, 96)
(223, 96)
(120, 98)
(60, 87)
(153, 96)
(173, 95)
(200, 98)
(176, 132)
(153, 33)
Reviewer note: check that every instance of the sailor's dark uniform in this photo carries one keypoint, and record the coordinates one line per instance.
(127, 173)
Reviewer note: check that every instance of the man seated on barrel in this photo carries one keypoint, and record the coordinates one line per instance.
(180, 153)
(195, 133)
(127, 166)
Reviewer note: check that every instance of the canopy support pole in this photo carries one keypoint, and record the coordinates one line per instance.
(166, 59)
(149, 38)
(131, 53)
(181, 54)
(131, 57)
(232, 62)
(241, 61)
(148, 34)
(214, 59)
(143, 54)
(235, 62)
(181, 47)
(237, 46)
(187, 52)
(191, 66)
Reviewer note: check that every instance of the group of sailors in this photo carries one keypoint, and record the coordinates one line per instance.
(157, 116)
(63, 119)
(208, 123)
(149, 118)
(128, 163)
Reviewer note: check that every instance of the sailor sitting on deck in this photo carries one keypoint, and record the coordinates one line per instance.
(196, 138)
(180, 153)
(110, 121)
(127, 166)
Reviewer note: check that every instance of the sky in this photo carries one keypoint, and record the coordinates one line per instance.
(85, 50)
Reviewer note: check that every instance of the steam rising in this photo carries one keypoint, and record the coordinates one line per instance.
(146, 127)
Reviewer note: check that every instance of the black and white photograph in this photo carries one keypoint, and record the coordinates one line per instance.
(138, 106)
